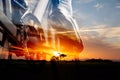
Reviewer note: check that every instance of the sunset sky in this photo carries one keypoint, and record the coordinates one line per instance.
(99, 22)
(99, 27)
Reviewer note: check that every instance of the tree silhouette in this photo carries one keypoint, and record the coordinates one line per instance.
(58, 58)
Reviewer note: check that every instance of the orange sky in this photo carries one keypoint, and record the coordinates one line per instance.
(96, 48)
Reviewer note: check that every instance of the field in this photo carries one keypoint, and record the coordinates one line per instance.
(60, 70)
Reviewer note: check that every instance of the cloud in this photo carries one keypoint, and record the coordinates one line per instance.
(95, 48)
(117, 5)
(110, 35)
(84, 1)
(99, 6)
(96, 43)
(79, 17)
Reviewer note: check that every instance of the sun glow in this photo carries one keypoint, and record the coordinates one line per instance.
(57, 54)
(58, 41)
